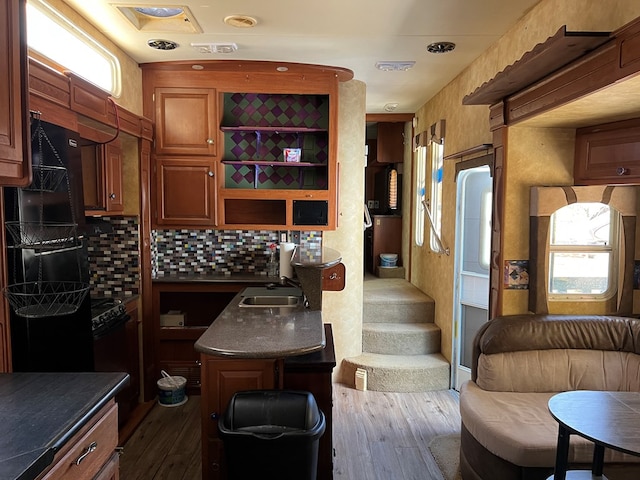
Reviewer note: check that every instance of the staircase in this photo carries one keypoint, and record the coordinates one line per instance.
(400, 341)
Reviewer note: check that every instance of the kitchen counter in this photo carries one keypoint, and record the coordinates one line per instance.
(215, 278)
(40, 412)
(263, 332)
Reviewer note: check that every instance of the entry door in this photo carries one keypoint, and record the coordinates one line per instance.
(473, 249)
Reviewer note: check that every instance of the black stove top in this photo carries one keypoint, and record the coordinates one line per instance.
(106, 314)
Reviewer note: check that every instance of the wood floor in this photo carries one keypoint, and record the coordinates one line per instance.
(377, 436)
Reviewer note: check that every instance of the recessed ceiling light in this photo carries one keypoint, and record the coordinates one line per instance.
(390, 107)
(240, 21)
(159, 44)
(395, 66)
(159, 12)
(440, 47)
(282, 69)
(197, 67)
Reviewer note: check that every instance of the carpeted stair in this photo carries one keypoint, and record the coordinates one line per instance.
(400, 341)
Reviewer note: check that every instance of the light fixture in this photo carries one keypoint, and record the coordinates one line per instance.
(160, 44)
(240, 21)
(390, 107)
(441, 47)
(215, 47)
(395, 66)
(282, 69)
(197, 66)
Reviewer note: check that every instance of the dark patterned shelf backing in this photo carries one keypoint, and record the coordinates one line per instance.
(216, 251)
(113, 259)
(275, 177)
(310, 111)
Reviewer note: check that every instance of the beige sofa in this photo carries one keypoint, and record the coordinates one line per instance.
(519, 363)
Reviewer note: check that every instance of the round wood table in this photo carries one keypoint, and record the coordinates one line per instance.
(608, 419)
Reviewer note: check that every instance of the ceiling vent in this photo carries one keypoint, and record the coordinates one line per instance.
(159, 44)
(169, 18)
(395, 66)
(215, 47)
(240, 21)
(441, 47)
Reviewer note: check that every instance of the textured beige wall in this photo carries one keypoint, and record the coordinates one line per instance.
(344, 309)
(534, 155)
(131, 97)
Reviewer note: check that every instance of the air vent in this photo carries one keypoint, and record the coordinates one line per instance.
(162, 44)
(215, 47)
(440, 47)
(240, 21)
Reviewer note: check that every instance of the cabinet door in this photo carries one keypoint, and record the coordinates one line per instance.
(15, 159)
(186, 121)
(220, 380)
(113, 181)
(185, 192)
(390, 143)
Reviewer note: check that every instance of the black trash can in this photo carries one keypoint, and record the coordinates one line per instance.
(272, 434)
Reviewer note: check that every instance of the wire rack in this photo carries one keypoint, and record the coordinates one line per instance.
(46, 299)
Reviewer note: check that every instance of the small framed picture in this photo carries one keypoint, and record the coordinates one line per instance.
(292, 154)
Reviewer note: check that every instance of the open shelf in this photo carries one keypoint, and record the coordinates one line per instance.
(271, 128)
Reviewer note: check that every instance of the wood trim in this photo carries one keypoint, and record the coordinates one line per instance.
(497, 220)
(557, 51)
(389, 117)
(484, 147)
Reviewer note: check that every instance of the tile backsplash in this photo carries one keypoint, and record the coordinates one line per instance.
(216, 251)
(113, 249)
(114, 257)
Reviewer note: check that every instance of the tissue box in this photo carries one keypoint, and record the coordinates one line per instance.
(173, 318)
(292, 154)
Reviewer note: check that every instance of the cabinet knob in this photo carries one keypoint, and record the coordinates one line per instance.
(214, 416)
(622, 171)
(210, 141)
(210, 173)
(112, 196)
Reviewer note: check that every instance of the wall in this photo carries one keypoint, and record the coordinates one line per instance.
(344, 309)
(535, 156)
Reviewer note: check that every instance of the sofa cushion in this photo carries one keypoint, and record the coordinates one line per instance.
(519, 428)
(559, 370)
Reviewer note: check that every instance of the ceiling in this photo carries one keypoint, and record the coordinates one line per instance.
(352, 34)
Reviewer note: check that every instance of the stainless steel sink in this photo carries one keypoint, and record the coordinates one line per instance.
(264, 301)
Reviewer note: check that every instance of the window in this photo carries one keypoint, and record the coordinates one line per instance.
(435, 202)
(56, 38)
(421, 167)
(583, 241)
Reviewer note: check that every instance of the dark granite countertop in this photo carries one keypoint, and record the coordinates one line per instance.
(263, 332)
(215, 278)
(40, 412)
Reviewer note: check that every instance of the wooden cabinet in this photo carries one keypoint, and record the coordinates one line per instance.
(385, 236)
(102, 177)
(608, 154)
(221, 378)
(186, 121)
(186, 149)
(185, 192)
(90, 453)
(15, 159)
(390, 143)
(200, 304)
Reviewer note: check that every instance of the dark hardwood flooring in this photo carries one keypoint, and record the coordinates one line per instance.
(377, 436)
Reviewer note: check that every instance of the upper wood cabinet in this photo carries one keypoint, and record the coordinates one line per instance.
(15, 158)
(186, 121)
(608, 154)
(102, 178)
(390, 143)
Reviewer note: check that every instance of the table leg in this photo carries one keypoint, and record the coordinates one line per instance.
(598, 460)
(562, 454)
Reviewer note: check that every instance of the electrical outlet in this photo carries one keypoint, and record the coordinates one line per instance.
(295, 237)
(371, 203)
(376, 204)
(283, 236)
